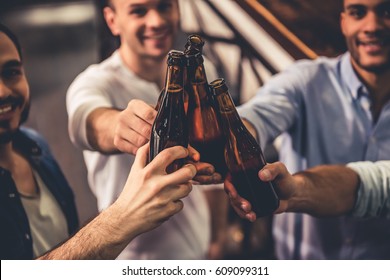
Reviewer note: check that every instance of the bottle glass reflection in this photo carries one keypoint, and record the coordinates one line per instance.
(244, 157)
(205, 134)
(170, 126)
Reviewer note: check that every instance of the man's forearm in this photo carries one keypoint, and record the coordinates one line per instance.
(102, 238)
(325, 190)
(251, 128)
(101, 129)
(218, 203)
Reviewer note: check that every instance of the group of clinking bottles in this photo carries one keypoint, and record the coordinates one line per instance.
(193, 112)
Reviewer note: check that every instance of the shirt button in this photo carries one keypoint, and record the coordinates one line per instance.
(11, 195)
(27, 236)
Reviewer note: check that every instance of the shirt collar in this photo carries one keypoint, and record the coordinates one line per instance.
(351, 80)
(26, 145)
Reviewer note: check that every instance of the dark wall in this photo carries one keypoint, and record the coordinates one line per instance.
(315, 22)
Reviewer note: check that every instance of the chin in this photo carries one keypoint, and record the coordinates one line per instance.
(159, 50)
(158, 54)
(376, 68)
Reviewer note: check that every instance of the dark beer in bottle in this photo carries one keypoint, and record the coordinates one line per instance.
(244, 157)
(170, 126)
(205, 134)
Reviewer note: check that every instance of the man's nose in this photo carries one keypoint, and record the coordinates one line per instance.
(5, 91)
(155, 18)
(373, 22)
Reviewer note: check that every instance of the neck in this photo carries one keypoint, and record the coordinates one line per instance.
(7, 156)
(378, 86)
(147, 68)
(20, 168)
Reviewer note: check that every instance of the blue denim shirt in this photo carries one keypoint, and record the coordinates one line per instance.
(323, 111)
(15, 235)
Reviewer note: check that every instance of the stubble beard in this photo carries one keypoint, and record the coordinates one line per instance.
(377, 69)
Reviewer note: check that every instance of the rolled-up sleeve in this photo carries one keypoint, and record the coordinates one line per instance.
(373, 199)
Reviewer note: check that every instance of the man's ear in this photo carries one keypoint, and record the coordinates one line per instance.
(110, 17)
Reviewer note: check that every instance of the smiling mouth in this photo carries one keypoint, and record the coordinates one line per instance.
(372, 43)
(5, 109)
(377, 41)
(373, 46)
(158, 36)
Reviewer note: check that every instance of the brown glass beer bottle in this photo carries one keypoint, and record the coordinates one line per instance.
(194, 44)
(170, 126)
(205, 134)
(243, 155)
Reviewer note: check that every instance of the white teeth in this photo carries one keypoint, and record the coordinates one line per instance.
(158, 36)
(5, 109)
(376, 43)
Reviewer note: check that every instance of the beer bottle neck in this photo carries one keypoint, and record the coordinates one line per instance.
(195, 68)
(228, 113)
(174, 77)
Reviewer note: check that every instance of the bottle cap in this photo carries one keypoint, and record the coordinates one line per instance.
(218, 86)
(194, 44)
(176, 58)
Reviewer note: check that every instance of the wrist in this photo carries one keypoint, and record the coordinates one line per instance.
(120, 228)
(300, 199)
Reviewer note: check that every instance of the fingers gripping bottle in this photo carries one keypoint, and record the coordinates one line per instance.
(205, 134)
(170, 126)
(244, 157)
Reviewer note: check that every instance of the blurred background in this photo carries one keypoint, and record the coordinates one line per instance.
(248, 41)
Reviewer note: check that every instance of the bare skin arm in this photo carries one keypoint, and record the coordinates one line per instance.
(218, 204)
(111, 131)
(149, 198)
(250, 128)
(325, 190)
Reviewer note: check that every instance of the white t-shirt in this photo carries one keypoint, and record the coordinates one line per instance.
(110, 84)
(47, 222)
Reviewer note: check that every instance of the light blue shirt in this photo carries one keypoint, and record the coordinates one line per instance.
(323, 111)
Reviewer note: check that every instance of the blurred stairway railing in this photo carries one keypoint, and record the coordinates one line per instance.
(244, 40)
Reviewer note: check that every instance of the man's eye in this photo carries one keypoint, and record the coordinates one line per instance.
(357, 13)
(138, 11)
(385, 13)
(164, 7)
(11, 73)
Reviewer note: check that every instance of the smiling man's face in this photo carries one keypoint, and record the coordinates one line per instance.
(147, 28)
(14, 90)
(366, 27)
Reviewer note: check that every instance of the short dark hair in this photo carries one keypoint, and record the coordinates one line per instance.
(12, 36)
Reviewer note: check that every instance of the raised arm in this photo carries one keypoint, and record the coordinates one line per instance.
(149, 198)
(361, 189)
(110, 130)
